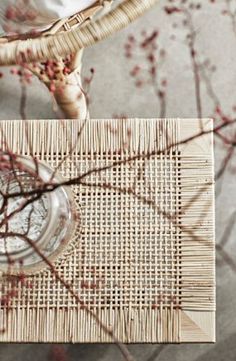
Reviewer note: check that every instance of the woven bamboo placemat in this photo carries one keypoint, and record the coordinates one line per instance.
(143, 256)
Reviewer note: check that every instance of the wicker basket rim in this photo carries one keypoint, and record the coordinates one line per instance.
(63, 43)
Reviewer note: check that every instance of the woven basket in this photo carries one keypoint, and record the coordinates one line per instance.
(70, 36)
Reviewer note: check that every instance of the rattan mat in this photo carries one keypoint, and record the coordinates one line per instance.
(143, 255)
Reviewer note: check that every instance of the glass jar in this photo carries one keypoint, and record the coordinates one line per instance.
(34, 223)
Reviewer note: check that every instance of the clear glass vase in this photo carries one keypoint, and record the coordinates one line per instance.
(38, 218)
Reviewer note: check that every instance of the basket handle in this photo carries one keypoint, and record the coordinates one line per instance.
(64, 43)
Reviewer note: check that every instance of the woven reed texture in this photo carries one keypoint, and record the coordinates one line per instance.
(144, 263)
(70, 42)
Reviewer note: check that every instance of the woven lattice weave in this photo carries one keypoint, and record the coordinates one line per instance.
(145, 264)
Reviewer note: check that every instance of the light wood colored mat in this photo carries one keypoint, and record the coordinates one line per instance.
(143, 257)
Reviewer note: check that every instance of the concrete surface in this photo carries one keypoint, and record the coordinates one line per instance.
(112, 93)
